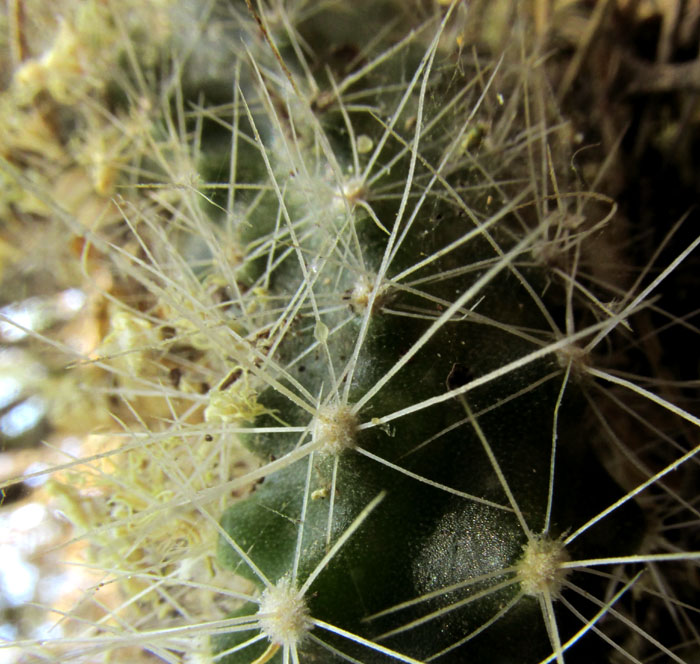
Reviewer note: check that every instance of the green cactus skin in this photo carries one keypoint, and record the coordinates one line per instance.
(458, 490)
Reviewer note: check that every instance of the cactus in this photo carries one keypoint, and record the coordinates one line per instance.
(355, 349)
(429, 471)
